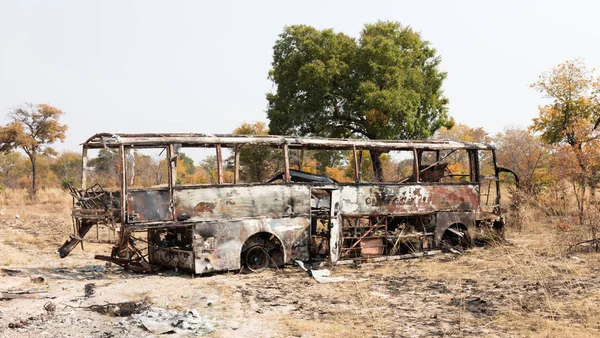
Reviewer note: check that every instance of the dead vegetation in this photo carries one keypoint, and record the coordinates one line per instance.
(120, 309)
(531, 286)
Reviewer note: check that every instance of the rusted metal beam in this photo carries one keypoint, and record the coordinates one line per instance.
(236, 164)
(140, 140)
(123, 184)
(416, 163)
(356, 165)
(75, 239)
(219, 164)
(172, 156)
(84, 160)
(286, 164)
(497, 173)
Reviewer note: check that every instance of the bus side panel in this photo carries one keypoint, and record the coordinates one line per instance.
(372, 199)
(218, 245)
(196, 204)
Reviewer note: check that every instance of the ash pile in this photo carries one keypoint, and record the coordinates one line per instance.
(163, 321)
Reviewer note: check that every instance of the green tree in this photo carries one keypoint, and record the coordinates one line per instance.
(385, 85)
(257, 163)
(185, 169)
(33, 128)
(67, 168)
(105, 168)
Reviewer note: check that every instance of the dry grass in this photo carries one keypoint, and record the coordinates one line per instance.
(545, 291)
(531, 286)
(21, 197)
(17, 203)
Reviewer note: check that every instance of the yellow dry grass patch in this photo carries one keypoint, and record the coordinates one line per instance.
(21, 197)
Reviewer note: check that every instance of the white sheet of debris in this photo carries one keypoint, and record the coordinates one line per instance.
(324, 276)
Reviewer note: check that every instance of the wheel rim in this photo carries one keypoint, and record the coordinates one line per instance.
(257, 258)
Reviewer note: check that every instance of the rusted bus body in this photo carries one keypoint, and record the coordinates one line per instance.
(300, 216)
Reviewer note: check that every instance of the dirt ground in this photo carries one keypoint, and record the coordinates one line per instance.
(528, 287)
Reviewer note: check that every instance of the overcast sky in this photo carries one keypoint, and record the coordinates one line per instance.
(200, 66)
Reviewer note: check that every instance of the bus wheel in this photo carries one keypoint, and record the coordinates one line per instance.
(456, 237)
(256, 258)
(276, 258)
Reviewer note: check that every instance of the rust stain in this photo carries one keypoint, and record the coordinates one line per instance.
(203, 207)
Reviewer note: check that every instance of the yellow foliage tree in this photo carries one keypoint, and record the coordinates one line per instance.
(571, 117)
(526, 155)
(33, 128)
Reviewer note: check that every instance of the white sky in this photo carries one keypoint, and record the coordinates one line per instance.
(194, 66)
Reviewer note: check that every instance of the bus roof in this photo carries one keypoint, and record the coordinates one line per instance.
(112, 140)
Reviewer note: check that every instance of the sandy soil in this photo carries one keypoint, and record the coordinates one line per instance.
(528, 287)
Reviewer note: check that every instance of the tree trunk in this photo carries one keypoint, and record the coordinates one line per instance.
(33, 159)
(584, 182)
(377, 167)
(582, 200)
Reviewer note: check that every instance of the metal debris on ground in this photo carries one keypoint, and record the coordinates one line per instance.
(21, 294)
(301, 265)
(50, 307)
(11, 272)
(454, 251)
(324, 276)
(123, 309)
(163, 321)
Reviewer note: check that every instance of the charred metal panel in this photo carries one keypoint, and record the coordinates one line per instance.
(148, 205)
(446, 219)
(335, 231)
(225, 203)
(174, 258)
(218, 245)
(407, 199)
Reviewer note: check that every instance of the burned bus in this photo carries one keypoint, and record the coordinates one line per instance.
(435, 194)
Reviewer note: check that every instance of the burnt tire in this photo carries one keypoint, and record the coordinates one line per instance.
(456, 238)
(276, 259)
(256, 258)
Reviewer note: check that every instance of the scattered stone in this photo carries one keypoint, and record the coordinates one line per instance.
(90, 290)
(37, 279)
(18, 324)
